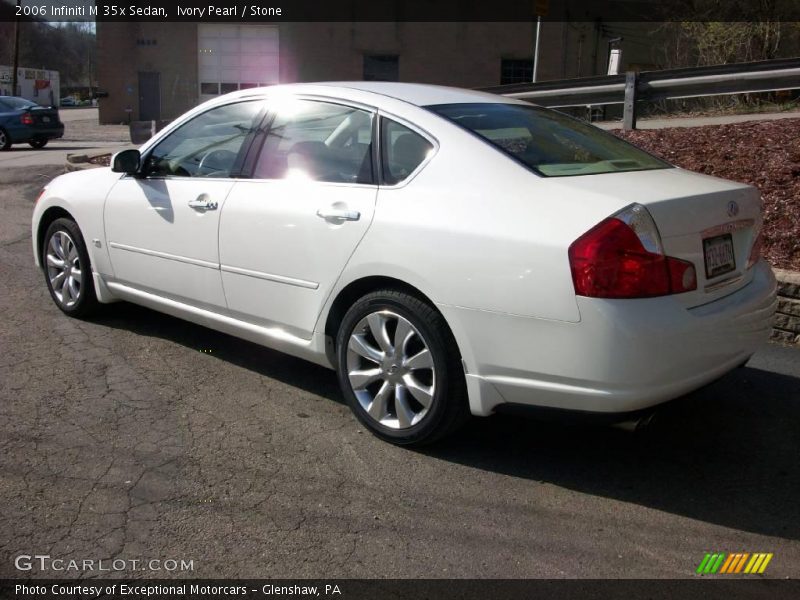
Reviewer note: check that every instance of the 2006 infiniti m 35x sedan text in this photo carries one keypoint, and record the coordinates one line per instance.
(447, 251)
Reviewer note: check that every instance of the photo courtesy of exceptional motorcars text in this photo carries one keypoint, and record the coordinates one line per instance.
(400, 299)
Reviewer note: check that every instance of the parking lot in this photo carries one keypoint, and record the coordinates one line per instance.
(137, 436)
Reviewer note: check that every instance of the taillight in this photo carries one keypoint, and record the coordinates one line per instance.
(26, 119)
(755, 250)
(39, 197)
(622, 257)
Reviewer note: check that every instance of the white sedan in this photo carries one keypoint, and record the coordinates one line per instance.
(446, 251)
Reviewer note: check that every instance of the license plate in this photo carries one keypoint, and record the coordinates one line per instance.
(719, 257)
(45, 119)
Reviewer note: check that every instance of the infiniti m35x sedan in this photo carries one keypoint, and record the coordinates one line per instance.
(446, 251)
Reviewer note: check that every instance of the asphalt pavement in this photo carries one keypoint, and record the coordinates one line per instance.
(135, 436)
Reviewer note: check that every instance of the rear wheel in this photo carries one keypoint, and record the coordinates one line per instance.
(400, 369)
(38, 143)
(67, 270)
(5, 139)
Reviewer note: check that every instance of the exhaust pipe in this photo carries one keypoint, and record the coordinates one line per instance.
(637, 425)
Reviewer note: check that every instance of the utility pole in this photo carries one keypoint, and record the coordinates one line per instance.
(536, 48)
(15, 67)
(540, 9)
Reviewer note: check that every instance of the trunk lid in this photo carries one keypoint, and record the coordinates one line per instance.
(708, 221)
(44, 115)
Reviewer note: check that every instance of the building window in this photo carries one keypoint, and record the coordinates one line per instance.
(516, 70)
(209, 89)
(227, 88)
(381, 67)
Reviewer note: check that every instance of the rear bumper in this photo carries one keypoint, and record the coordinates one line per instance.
(623, 355)
(26, 134)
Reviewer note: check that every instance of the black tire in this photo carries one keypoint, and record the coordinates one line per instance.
(5, 139)
(86, 302)
(38, 143)
(448, 409)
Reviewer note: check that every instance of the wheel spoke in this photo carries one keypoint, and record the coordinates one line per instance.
(55, 262)
(360, 346)
(77, 275)
(422, 393)
(377, 325)
(64, 243)
(402, 334)
(361, 379)
(405, 415)
(58, 280)
(55, 246)
(421, 360)
(74, 288)
(66, 294)
(377, 408)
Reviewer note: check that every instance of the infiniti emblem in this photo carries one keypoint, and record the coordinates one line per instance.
(733, 209)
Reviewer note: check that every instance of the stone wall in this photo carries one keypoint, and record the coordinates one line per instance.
(787, 321)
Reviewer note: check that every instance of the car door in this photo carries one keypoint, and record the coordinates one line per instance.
(162, 227)
(287, 232)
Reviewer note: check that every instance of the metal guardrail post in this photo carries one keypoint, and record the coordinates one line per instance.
(631, 96)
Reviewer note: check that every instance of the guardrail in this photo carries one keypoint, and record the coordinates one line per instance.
(632, 88)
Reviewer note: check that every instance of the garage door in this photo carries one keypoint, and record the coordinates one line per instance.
(233, 57)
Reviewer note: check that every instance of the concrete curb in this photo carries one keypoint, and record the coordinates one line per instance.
(81, 161)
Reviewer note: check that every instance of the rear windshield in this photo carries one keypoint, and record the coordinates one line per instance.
(14, 103)
(549, 142)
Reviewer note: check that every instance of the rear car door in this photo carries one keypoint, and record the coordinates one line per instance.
(162, 227)
(287, 232)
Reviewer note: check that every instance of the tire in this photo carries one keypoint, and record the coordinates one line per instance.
(67, 270)
(5, 139)
(38, 143)
(400, 393)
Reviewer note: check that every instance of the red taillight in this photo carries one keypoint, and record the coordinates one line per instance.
(755, 251)
(611, 261)
(39, 197)
(26, 119)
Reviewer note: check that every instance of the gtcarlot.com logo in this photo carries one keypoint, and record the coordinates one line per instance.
(44, 562)
(737, 563)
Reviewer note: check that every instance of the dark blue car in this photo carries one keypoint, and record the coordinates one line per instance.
(24, 121)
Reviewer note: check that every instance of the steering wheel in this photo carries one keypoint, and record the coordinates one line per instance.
(216, 161)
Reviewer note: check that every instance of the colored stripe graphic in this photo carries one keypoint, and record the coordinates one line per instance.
(727, 564)
(735, 563)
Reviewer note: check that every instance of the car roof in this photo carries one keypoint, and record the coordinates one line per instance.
(419, 94)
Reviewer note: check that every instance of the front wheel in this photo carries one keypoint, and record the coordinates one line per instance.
(5, 139)
(67, 270)
(38, 143)
(400, 369)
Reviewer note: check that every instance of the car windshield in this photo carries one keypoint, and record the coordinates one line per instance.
(551, 143)
(16, 103)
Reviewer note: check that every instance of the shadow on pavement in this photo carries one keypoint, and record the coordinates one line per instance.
(275, 365)
(727, 454)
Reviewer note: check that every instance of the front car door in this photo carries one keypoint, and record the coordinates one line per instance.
(287, 233)
(162, 227)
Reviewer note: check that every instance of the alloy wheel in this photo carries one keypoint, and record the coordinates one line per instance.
(390, 369)
(64, 269)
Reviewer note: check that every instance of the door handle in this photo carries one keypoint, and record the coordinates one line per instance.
(203, 203)
(338, 213)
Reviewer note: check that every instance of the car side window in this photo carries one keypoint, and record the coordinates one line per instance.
(207, 145)
(402, 151)
(317, 141)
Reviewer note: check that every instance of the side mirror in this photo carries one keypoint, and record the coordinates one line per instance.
(127, 161)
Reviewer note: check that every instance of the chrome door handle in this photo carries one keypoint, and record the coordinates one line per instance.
(203, 203)
(340, 214)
